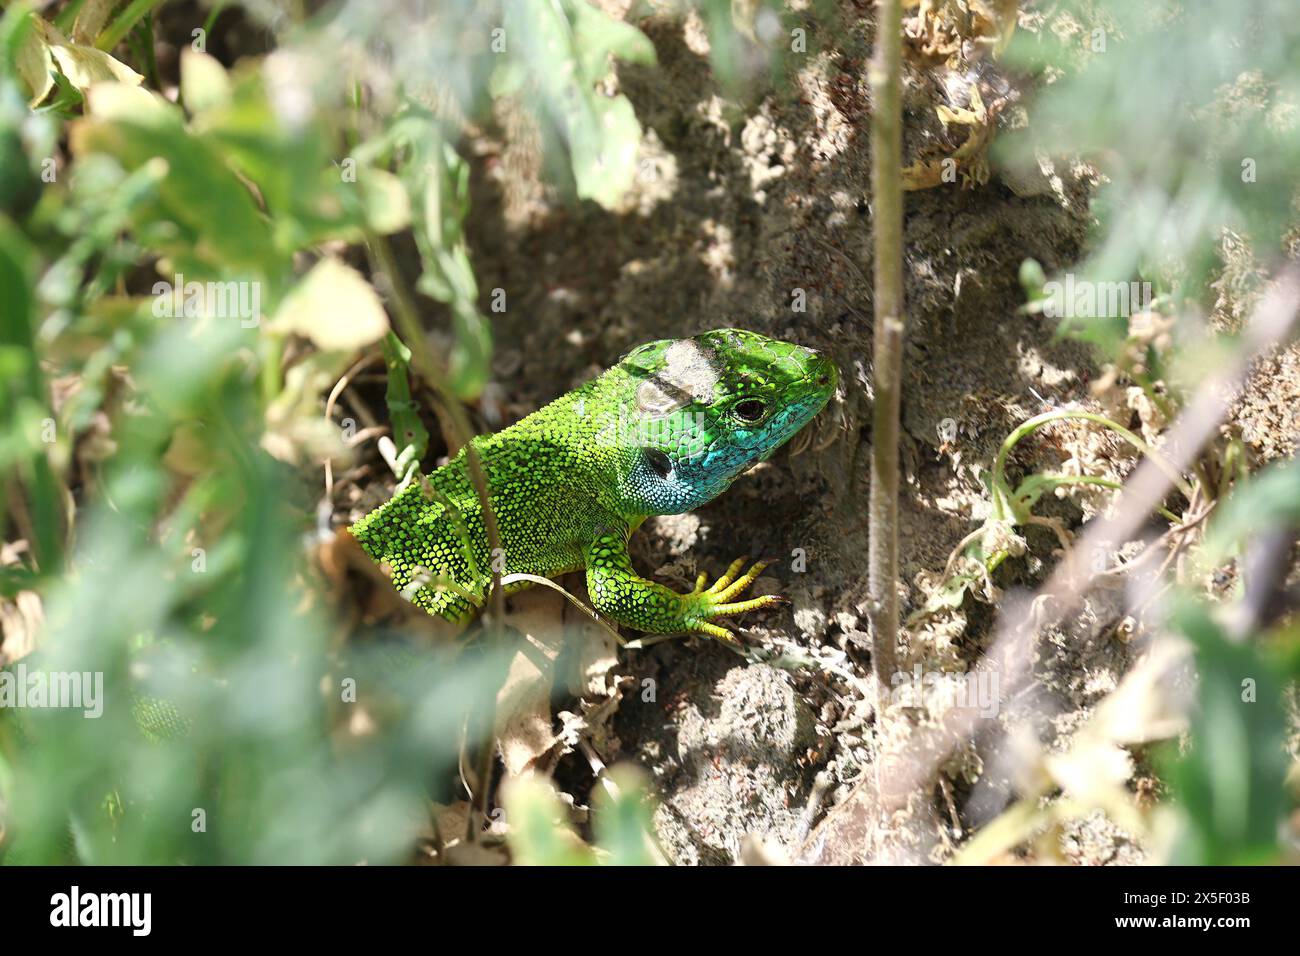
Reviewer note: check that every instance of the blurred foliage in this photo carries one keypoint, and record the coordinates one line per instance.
(1198, 139)
(1229, 783)
(563, 49)
(1190, 109)
(540, 837)
(1271, 500)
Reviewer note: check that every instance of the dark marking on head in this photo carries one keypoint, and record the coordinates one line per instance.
(659, 462)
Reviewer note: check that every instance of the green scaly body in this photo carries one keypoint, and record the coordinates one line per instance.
(662, 432)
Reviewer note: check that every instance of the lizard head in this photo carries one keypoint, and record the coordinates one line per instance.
(705, 409)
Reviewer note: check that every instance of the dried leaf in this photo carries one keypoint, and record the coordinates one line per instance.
(524, 724)
(35, 66)
(83, 66)
(525, 720)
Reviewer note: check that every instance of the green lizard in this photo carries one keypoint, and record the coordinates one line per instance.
(664, 431)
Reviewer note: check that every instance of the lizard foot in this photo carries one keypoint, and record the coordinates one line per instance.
(716, 601)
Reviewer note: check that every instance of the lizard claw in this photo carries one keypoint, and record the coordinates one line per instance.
(717, 632)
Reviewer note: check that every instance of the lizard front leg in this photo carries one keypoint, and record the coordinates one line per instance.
(617, 591)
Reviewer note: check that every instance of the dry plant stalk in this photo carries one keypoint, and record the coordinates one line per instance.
(885, 77)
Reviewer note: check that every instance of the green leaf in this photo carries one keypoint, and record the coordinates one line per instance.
(335, 307)
(83, 66)
(204, 83)
(948, 596)
(33, 63)
(211, 219)
(388, 209)
(409, 434)
(292, 166)
(1230, 783)
(597, 36)
(1268, 499)
(559, 52)
(537, 838)
(622, 823)
(434, 171)
(23, 399)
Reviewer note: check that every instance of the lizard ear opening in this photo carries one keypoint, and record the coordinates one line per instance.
(659, 463)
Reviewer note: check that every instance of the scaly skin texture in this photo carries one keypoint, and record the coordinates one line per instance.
(662, 432)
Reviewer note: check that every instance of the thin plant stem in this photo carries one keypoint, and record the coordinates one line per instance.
(1038, 421)
(454, 415)
(884, 74)
(457, 423)
(112, 34)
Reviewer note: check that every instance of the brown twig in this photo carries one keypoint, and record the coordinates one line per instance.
(885, 75)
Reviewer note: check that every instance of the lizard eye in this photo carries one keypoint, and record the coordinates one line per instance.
(750, 410)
